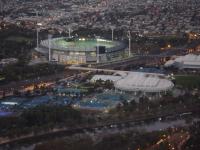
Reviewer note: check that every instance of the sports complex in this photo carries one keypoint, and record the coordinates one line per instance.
(81, 50)
(189, 61)
(138, 82)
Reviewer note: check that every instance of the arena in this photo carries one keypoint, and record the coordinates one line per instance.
(82, 50)
(138, 81)
(189, 61)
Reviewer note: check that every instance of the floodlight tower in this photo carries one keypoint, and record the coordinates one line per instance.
(129, 37)
(38, 24)
(49, 44)
(112, 28)
(38, 30)
(97, 53)
(137, 28)
(36, 13)
(1, 6)
(69, 31)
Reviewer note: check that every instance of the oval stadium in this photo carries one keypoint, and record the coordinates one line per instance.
(82, 50)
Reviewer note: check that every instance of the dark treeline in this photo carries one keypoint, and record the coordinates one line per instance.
(21, 71)
(41, 118)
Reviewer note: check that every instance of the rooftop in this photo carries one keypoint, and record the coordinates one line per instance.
(138, 81)
(187, 61)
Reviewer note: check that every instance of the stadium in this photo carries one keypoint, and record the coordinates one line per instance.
(137, 81)
(81, 50)
(189, 61)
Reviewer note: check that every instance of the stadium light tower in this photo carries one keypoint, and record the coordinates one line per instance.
(49, 44)
(112, 28)
(69, 31)
(38, 30)
(97, 53)
(36, 14)
(129, 49)
(38, 24)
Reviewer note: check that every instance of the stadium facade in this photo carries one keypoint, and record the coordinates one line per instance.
(82, 50)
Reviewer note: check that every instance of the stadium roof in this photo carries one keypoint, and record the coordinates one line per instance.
(139, 81)
(105, 77)
(187, 61)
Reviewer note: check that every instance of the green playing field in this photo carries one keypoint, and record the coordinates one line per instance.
(84, 43)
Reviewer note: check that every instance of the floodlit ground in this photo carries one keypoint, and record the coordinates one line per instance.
(83, 43)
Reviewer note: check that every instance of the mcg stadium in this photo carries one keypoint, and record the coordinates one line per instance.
(81, 50)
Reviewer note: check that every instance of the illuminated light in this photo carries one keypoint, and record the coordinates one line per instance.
(106, 111)
(39, 24)
(160, 141)
(9, 103)
(101, 40)
(169, 46)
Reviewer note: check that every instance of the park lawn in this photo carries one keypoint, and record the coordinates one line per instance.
(188, 81)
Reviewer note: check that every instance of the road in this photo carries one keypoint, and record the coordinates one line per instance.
(105, 70)
(173, 142)
(22, 85)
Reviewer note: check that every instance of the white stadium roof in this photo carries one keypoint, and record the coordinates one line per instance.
(138, 81)
(187, 61)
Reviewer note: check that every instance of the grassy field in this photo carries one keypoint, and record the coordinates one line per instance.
(84, 44)
(188, 81)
